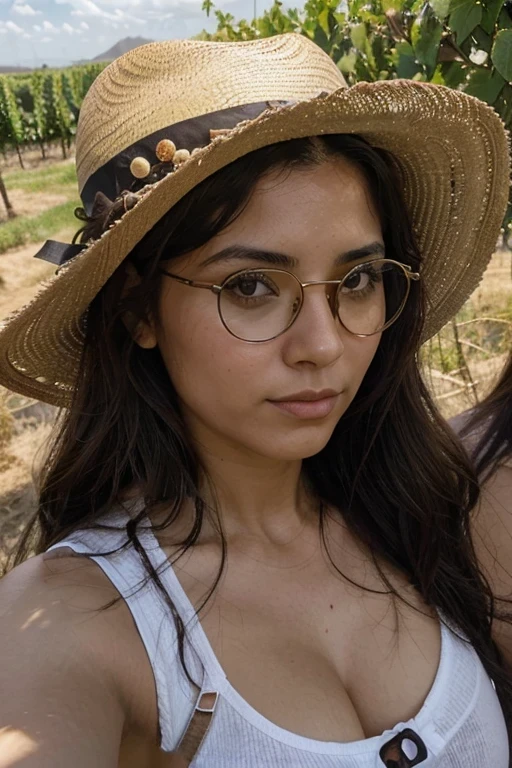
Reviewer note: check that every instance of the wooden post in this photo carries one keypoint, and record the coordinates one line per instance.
(3, 193)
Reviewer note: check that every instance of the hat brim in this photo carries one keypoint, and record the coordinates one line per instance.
(452, 155)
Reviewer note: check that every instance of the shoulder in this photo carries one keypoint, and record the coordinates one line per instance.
(57, 599)
(492, 538)
(62, 609)
(492, 528)
(459, 425)
(461, 420)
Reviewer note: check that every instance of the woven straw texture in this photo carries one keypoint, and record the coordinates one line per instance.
(161, 84)
(451, 150)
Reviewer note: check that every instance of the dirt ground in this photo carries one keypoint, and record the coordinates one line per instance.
(26, 203)
(33, 158)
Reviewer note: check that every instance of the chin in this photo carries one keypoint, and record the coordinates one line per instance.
(294, 449)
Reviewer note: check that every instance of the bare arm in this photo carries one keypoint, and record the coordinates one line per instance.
(60, 704)
(492, 537)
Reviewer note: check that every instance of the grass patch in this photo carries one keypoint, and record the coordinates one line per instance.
(54, 178)
(23, 230)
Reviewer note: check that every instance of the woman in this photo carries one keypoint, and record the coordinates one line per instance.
(487, 432)
(248, 439)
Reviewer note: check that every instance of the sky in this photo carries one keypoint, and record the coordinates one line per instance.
(59, 32)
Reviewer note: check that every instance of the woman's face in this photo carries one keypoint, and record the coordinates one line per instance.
(227, 386)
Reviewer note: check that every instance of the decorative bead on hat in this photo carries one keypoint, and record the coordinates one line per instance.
(165, 150)
(166, 153)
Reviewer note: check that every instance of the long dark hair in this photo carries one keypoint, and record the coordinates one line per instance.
(489, 427)
(392, 468)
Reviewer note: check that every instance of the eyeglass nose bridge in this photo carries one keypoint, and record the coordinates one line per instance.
(331, 295)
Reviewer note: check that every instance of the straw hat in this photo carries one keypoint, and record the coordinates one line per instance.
(167, 115)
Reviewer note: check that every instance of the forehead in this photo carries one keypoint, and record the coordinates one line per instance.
(309, 213)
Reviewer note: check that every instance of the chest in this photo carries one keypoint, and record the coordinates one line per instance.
(317, 656)
(307, 649)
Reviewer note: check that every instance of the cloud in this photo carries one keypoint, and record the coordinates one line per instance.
(24, 9)
(84, 25)
(67, 28)
(48, 26)
(46, 40)
(89, 8)
(14, 27)
(36, 27)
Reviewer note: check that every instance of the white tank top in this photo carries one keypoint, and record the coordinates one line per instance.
(461, 722)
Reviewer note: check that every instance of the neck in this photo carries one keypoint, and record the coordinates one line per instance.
(258, 499)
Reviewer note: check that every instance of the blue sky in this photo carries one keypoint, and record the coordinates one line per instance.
(58, 32)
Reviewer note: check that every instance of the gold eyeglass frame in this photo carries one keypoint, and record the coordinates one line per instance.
(217, 289)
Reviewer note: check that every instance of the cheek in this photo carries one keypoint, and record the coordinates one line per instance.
(205, 363)
(359, 353)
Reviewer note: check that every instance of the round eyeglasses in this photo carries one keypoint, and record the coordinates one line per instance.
(261, 304)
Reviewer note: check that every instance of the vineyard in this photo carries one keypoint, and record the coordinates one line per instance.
(43, 106)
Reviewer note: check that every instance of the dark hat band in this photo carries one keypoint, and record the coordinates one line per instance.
(115, 176)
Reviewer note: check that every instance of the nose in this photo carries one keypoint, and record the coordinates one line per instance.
(316, 336)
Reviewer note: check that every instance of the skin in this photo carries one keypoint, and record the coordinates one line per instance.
(252, 450)
(302, 645)
(492, 537)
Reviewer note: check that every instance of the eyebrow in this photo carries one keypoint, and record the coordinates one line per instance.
(241, 252)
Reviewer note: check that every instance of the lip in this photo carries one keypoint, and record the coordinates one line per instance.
(313, 405)
(308, 395)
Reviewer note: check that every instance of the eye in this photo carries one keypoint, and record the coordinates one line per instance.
(252, 286)
(357, 281)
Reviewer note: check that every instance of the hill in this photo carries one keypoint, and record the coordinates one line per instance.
(123, 46)
(5, 70)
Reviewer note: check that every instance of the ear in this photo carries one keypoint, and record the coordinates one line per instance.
(141, 331)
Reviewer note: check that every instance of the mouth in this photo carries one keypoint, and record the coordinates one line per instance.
(308, 404)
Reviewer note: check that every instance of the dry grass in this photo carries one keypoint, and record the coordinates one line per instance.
(462, 368)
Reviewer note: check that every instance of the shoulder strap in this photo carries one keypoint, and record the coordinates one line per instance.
(197, 728)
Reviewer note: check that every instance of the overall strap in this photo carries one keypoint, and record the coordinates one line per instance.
(197, 727)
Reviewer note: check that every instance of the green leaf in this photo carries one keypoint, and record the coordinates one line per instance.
(379, 53)
(406, 66)
(359, 36)
(207, 6)
(323, 20)
(485, 84)
(347, 63)
(464, 19)
(502, 53)
(426, 35)
(391, 5)
(441, 8)
(490, 13)
(354, 8)
(456, 4)
(504, 20)
(454, 73)
(438, 77)
(503, 105)
(362, 71)
(321, 39)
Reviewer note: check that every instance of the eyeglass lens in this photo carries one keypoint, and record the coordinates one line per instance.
(258, 305)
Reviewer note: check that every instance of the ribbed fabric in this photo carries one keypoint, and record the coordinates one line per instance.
(461, 722)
